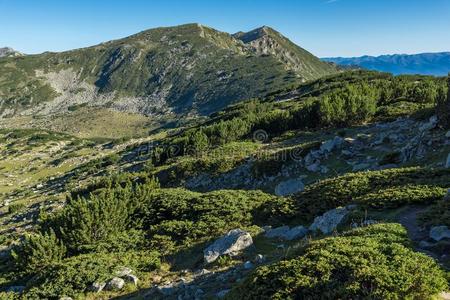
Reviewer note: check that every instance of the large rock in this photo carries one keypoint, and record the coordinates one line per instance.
(231, 244)
(328, 222)
(289, 187)
(438, 233)
(97, 287)
(115, 284)
(286, 233)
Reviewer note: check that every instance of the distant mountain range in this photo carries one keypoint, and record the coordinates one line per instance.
(172, 70)
(437, 64)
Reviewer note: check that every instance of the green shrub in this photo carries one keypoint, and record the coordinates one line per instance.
(73, 275)
(15, 207)
(188, 217)
(369, 263)
(37, 251)
(398, 196)
(379, 189)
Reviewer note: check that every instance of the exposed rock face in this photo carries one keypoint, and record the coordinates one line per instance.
(289, 187)
(447, 163)
(438, 233)
(328, 222)
(231, 244)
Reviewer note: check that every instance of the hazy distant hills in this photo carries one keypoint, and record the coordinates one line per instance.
(437, 64)
(173, 70)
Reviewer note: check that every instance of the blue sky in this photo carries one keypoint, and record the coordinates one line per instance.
(324, 27)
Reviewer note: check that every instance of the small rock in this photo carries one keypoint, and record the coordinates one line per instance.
(259, 258)
(330, 145)
(97, 287)
(289, 187)
(115, 284)
(328, 222)
(431, 124)
(222, 294)
(248, 265)
(279, 232)
(65, 298)
(438, 233)
(297, 232)
(131, 278)
(231, 244)
(447, 135)
(202, 272)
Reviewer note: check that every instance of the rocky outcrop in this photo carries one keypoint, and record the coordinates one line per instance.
(231, 244)
(9, 52)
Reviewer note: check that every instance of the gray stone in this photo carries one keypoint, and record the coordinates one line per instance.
(131, 278)
(231, 244)
(115, 284)
(438, 233)
(328, 222)
(97, 287)
(248, 265)
(286, 233)
(447, 135)
(222, 294)
(65, 298)
(289, 187)
(279, 232)
(315, 167)
(259, 258)
(297, 232)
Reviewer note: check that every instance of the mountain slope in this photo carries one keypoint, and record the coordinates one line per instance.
(9, 52)
(175, 70)
(437, 64)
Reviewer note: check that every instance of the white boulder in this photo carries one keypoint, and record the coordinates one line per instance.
(231, 244)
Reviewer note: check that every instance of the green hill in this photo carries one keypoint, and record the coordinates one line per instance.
(188, 69)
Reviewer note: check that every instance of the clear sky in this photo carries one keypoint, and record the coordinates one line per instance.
(324, 27)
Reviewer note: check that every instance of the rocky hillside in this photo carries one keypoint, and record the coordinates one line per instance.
(318, 191)
(188, 69)
(437, 64)
(9, 52)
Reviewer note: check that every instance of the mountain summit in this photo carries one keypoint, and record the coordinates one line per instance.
(172, 70)
(9, 52)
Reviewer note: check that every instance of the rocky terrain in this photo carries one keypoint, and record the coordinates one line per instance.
(321, 187)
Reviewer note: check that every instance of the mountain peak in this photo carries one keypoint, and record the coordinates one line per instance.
(9, 52)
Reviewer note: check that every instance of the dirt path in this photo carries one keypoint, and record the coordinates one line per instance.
(408, 218)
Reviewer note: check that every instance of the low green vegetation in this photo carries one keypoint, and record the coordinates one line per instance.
(375, 262)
